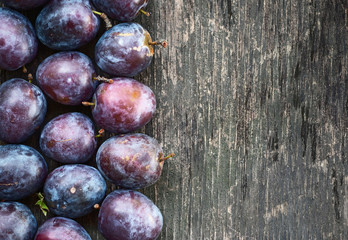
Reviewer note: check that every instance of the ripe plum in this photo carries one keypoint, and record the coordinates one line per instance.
(129, 215)
(18, 42)
(123, 106)
(22, 171)
(66, 24)
(125, 50)
(73, 190)
(22, 110)
(16, 221)
(121, 10)
(24, 4)
(69, 138)
(60, 228)
(131, 161)
(67, 77)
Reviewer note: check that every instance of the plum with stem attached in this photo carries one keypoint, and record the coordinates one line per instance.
(123, 105)
(131, 161)
(66, 24)
(67, 77)
(122, 10)
(125, 50)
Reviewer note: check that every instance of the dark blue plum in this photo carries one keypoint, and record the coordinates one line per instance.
(24, 4)
(67, 77)
(22, 110)
(66, 24)
(69, 138)
(16, 222)
(121, 10)
(131, 161)
(123, 106)
(125, 50)
(73, 190)
(60, 228)
(22, 171)
(18, 42)
(129, 215)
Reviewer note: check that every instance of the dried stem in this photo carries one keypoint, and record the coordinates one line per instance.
(162, 159)
(103, 79)
(145, 13)
(107, 21)
(163, 43)
(88, 103)
(100, 133)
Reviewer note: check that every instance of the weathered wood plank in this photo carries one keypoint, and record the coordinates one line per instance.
(252, 97)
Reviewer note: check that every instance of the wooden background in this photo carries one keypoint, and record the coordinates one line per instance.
(253, 98)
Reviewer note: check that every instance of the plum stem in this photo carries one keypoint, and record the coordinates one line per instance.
(144, 12)
(30, 76)
(41, 203)
(25, 70)
(162, 159)
(96, 206)
(8, 184)
(103, 79)
(88, 103)
(163, 43)
(107, 21)
(100, 133)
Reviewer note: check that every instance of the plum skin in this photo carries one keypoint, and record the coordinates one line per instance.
(121, 10)
(17, 221)
(22, 110)
(69, 138)
(129, 215)
(67, 24)
(22, 171)
(67, 77)
(124, 50)
(18, 42)
(60, 228)
(73, 190)
(130, 161)
(123, 106)
(24, 4)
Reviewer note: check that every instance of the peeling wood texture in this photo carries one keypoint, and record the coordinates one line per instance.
(253, 99)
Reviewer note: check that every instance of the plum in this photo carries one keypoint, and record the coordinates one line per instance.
(129, 215)
(69, 138)
(17, 222)
(18, 42)
(66, 24)
(125, 50)
(73, 190)
(22, 110)
(67, 77)
(131, 161)
(121, 10)
(22, 171)
(123, 106)
(60, 228)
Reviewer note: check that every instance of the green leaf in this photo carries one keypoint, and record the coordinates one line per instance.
(41, 203)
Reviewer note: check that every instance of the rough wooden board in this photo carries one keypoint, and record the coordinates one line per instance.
(252, 97)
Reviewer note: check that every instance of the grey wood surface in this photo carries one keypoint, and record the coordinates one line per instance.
(253, 98)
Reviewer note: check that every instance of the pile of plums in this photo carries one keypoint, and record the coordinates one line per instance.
(120, 105)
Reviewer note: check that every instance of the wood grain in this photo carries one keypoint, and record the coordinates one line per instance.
(253, 99)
